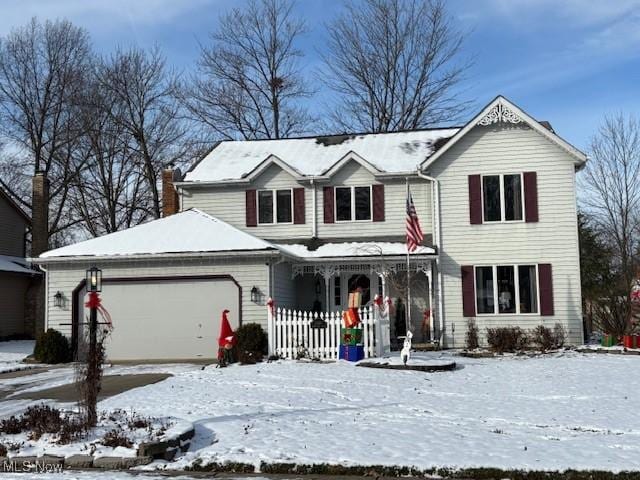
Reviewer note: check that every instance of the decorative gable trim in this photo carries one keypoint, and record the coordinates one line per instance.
(501, 110)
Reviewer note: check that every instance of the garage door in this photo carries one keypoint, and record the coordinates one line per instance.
(168, 319)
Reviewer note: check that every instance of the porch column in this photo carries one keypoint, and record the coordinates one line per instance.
(327, 290)
(432, 298)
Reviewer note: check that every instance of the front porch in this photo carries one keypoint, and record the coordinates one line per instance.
(324, 285)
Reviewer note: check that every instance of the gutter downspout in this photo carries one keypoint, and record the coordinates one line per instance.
(46, 298)
(437, 240)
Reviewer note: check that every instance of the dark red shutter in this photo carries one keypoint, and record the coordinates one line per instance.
(468, 291)
(327, 193)
(298, 205)
(378, 203)
(475, 200)
(546, 289)
(530, 197)
(251, 209)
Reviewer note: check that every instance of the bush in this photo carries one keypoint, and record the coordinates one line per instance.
(507, 339)
(3, 450)
(251, 343)
(560, 335)
(546, 339)
(116, 438)
(471, 340)
(52, 347)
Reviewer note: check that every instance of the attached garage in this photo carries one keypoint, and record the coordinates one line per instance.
(169, 318)
(165, 285)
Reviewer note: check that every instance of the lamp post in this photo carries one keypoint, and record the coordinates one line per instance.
(94, 286)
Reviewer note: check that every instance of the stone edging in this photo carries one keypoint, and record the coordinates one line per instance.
(147, 453)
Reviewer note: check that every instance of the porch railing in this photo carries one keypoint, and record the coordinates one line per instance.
(291, 334)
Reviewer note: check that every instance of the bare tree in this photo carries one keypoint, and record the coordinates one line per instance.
(612, 199)
(395, 65)
(144, 97)
(112, 193)
(43, 68)
(248, 84)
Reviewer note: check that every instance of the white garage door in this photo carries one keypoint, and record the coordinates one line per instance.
(168, 319)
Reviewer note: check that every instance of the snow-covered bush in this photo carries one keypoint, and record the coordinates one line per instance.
(52, 347)
(507, 339)
(471, 339)
(545, 338)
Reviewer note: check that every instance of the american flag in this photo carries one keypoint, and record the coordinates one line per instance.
(414, 232)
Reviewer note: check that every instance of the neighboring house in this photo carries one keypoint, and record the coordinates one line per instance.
(15, 272)
(306, 221)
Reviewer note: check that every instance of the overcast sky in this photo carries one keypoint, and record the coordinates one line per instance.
(569, 62)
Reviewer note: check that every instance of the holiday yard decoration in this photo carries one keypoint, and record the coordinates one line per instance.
(351, 347)
(226, 341)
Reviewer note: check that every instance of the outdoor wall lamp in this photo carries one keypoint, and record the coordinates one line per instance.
(58, 299)
(94, 279)
(256, 295)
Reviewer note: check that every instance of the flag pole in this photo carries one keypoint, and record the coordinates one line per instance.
(408, 309)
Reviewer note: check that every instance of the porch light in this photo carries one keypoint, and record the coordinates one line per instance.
(255, 295)
(58, 299)
(94, 279)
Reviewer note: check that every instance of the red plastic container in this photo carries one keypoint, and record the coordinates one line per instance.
(629, 341)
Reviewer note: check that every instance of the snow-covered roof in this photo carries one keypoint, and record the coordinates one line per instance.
(190, 231)
(397, 152)
(15, 265)
(352, 249)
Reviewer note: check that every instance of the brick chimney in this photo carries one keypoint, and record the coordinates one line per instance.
(170, 200)
(40, 214)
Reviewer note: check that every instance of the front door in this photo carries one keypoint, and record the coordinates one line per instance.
(345, 283)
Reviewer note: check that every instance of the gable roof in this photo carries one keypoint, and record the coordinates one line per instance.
(10, 200)
(501, 110)
(381, 153)
(191, 231)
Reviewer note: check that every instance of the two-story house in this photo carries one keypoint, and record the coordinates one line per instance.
(15, 273)
(306, 221)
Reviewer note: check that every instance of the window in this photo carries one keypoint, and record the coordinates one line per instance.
(353, 203)
(513, 288)
(502, 198)
(281, 210)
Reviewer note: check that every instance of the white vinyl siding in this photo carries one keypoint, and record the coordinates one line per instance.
(247, 272)
(553, 239)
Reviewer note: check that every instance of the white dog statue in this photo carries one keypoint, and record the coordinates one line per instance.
(405, 353)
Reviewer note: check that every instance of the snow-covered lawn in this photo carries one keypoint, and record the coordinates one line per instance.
(550, 412)
(12, 353)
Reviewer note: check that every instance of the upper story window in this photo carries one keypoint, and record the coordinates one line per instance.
(506, 289)
(502, 198)
(353, 203)
(275, 206)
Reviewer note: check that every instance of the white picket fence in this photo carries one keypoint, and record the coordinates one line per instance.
(290, 333)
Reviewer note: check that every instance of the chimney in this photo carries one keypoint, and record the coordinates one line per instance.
(170, 200)
(40, 214)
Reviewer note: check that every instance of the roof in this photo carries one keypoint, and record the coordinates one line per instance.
(501, 110)
(9, 198)
(353, 249)
(190, 231)
(15, 265)
(396, 152)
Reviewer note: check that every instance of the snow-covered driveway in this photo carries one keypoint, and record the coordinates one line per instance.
(12, 353)
(552, 412)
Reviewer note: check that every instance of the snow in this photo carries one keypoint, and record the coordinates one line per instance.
(386, 152)
(185, 232)
(353, 249)
(549, 412)
(15, 265)
(13, 352)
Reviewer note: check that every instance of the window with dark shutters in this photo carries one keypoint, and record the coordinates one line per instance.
(327, 194)
(298, 206)
(468, 293)
(530, 197)
(378, 203)
(251, 211)
(475, 200)
(546, 288)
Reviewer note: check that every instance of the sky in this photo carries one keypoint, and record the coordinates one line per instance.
(570, 62)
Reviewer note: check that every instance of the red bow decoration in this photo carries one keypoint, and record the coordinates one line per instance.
(95, 302)
(378, 300)
(272, 306)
